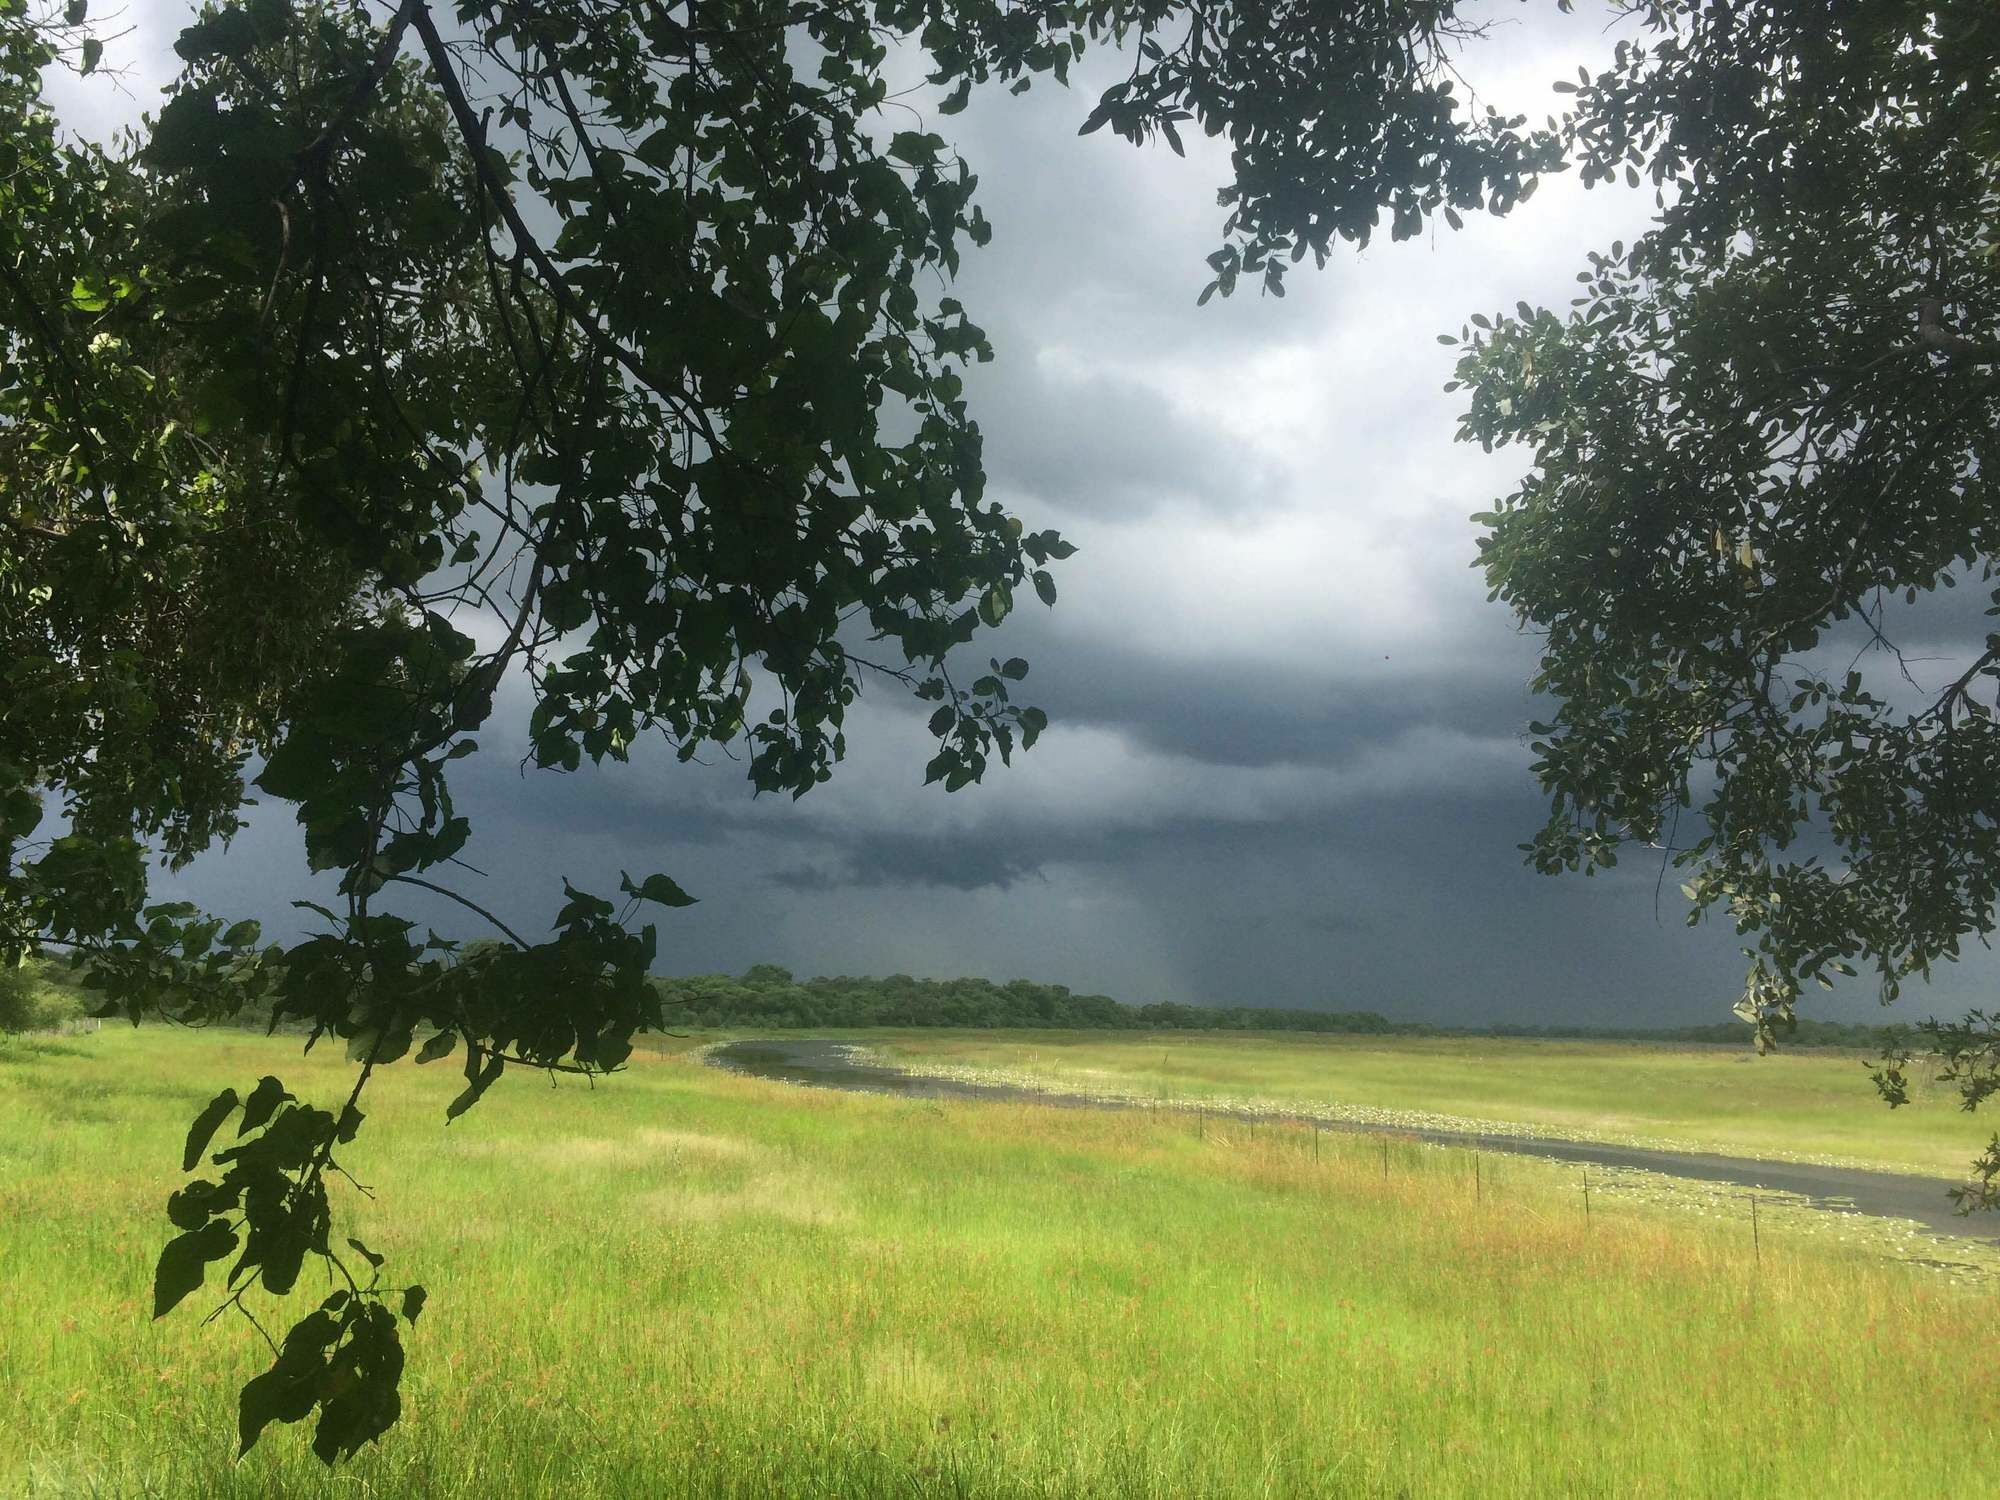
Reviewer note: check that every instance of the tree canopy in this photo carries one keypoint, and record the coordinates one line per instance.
(413, 355)
(1763, 434)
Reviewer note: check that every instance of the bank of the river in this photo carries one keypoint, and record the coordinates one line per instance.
(1800, 1104)
(1906, 1202)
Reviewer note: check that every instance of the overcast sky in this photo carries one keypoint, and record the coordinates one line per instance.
(1287, 761)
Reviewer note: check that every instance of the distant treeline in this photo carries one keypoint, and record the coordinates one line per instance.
(769, 996)
(45, 996)
(1810, 1033)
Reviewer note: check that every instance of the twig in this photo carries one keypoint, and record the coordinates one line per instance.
(468, 904)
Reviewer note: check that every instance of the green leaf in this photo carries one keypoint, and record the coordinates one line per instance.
(479, 1077)
(184, 1263)
(660, 149)
(296, 769)
(290, 1389)
(188, 132)
(394, 1046)
(264, 1098)
(413, 1302)
(194, 1205)
(368, 1403)
(919, 150)
(656, 888)
(437, 1047)
(204, 1127)
(93, 54)
(227, 33)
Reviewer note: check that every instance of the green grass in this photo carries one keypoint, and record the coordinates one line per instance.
(1799, 1103)
(688, 1283)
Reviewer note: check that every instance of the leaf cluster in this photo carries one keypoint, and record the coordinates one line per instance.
(269, 1208)
(1762, 435)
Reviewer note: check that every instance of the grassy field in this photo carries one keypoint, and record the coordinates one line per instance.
(1800, 1103)
(688, 1283)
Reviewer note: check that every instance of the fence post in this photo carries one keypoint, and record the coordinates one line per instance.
(1756, 1241)
(1385, 1158)
(1586, 1193)
(1477, 1190)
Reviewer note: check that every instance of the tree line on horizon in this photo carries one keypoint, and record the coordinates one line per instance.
(42, 996)
(769, 995)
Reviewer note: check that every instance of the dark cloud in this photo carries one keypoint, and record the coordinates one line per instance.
(889, 859)
(1103, 443)
(1252, 706)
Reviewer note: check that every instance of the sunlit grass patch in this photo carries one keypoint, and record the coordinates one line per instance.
(689, 1283)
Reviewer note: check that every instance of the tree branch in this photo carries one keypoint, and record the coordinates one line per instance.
(469, 905)
(315, 154)
(526, 244)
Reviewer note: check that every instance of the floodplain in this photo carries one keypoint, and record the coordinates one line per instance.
(689, 1282)
(1798, 1103)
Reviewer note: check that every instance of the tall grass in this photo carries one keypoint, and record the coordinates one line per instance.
(687, 1283)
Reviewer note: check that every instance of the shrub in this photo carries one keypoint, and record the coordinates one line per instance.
(18, 1000)
(28, 1002)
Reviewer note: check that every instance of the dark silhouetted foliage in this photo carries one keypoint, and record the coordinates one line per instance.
(767, 995)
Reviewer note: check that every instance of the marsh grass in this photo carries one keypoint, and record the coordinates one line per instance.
(688, 1283)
